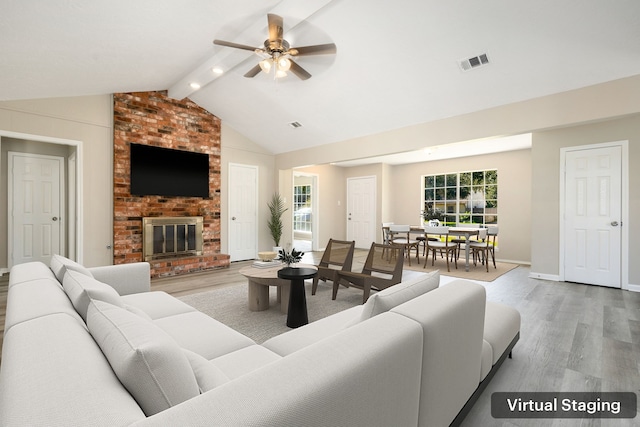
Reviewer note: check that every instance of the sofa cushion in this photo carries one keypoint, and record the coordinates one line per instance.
(202, 334)
(146, 360)
(501, 325)
(298, 338)
(29, 271)
(59, 265)
(208, 376)
(157, 304)
(37, 298)
(81, 289)
(487, 359)
(54, 374)
(393, 296)
(245, 360)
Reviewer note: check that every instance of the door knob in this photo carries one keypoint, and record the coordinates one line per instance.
(55, 218)
(233, 218)
(614, 223)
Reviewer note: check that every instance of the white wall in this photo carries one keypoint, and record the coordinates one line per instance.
(240, 150)
(87, 120)
(399, 196)
(546, 190)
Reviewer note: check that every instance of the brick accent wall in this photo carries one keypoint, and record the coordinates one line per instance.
(152, 118)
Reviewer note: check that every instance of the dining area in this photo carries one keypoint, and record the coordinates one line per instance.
(475, 243)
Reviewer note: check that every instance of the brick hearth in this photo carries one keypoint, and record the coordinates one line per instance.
(154, 119)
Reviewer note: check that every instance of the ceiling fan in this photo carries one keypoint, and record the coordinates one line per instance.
(277, 54)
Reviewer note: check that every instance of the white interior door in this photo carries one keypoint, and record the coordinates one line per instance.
(593, 216)
(243, 212)
(361, 210)
(36, 207)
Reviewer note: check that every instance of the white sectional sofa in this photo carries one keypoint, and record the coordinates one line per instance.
(94, 347)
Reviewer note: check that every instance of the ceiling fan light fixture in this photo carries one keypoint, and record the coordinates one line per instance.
(265, 65)
(284, 64)
(280, 74)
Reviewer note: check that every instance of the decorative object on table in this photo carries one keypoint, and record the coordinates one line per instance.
(266, 264)
(276, 209)
(290, 257)
(267, 256)
(266, 260)
(432, 216)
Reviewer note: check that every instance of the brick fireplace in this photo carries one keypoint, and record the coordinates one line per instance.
(152, 118)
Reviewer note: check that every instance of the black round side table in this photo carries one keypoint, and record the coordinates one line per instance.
(297, 314)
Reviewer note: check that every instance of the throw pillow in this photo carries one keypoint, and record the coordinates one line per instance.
(146, 360)
(59, 265)
(207, 375)
(81, 289)
(395, 295)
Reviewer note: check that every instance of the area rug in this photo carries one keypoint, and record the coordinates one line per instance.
(476, 273)
(229, 305)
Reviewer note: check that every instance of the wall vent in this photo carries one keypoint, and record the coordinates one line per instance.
(295, 125)
(473, 62)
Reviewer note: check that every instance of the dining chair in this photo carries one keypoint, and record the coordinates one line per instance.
(401, 236)
(442, 246)
(379, 271)
(338, 256)
(386, 235)
(479, 247)
(461, 241)
(485, 247)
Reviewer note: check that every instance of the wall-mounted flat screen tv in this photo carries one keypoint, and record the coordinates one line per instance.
(168, 172)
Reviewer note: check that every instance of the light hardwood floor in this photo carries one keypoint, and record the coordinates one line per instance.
(573, 337)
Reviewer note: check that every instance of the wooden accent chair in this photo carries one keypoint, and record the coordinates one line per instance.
(446, 247)
(338, 256)
(382, 269)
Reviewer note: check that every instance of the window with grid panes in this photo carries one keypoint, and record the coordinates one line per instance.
(302, 207)
(464, 198)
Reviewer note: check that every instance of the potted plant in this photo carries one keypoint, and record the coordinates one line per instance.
(276, 209)
(432, 216)
(290, 258)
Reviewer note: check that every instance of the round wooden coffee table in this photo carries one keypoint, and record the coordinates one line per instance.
(260, 279)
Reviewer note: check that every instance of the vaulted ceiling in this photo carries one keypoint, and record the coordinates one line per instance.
(397, 62)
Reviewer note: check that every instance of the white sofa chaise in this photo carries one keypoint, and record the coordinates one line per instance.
(94, 347)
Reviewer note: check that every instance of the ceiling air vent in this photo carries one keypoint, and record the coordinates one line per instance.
(473, 62)
(295, 125)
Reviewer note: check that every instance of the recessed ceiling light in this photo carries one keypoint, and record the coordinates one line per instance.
(217, 70)
(194, 85)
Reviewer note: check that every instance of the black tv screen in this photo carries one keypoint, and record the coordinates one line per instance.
(167, 172)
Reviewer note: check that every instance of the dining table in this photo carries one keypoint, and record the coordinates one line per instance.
(467, 232)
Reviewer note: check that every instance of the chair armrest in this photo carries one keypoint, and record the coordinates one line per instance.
(127, 279)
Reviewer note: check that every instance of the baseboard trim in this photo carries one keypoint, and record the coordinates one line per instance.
(543, 276)
(633, 288)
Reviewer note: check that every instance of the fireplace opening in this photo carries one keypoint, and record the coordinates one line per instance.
(171, 237)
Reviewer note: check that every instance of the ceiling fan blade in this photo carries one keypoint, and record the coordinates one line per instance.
(234, 45)
(299, 71)
(319, 49)
(253, 72)
(276, 31)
